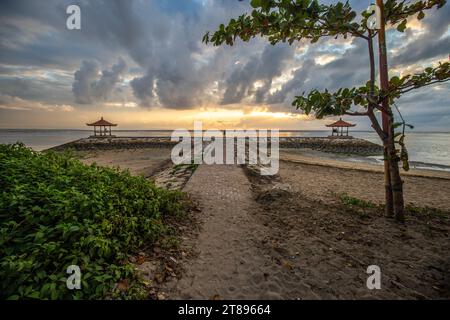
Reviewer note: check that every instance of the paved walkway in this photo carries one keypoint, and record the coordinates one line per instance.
(231, 263)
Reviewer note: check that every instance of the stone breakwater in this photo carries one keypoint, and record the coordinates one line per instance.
(343, 146)
(116, 143)
(333, 145)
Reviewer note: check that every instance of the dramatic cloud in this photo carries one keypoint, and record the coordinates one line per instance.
(260, 70)
(91, 86)
(299, 76)
(178, 70)
(149, 55)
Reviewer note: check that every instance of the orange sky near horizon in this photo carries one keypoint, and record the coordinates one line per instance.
(135, 118)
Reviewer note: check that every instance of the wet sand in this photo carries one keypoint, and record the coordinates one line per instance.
(145, 162)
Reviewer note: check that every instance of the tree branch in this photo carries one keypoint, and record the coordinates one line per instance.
(372, 64)
(376, 125)
(424, 85)
(351, 113)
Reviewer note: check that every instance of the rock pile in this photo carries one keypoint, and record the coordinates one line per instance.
(345, 146)
(117, 143)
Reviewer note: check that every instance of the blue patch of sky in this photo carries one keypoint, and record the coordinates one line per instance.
(184, 7)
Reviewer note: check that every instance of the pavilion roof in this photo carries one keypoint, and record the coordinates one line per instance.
(101, 122)
(341, 123)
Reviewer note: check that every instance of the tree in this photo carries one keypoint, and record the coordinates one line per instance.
(296, 20)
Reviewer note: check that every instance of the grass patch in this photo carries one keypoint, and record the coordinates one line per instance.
(428, 213)
(351, 201)
(421, 213)
(56, 212)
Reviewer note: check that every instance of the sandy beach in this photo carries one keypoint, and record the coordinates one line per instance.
(146, 162)
(321, 178)
(291, 236)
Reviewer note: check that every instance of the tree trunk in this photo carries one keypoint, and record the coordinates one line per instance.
(386, 115)
(394, 172)
(389, 201)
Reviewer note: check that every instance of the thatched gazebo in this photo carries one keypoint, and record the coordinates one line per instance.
(104, 128)
(338, 130)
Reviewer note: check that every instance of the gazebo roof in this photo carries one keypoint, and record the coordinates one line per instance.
(101, 122)
(341, 123)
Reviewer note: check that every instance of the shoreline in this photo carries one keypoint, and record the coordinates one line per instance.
(428, 150)
(311, 157)
(355, 152)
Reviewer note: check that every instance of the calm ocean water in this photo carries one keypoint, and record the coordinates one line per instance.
(428, 150)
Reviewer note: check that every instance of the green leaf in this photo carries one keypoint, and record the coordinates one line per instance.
(395, 81)
(255, 3)
(33, 295)
(402, 26)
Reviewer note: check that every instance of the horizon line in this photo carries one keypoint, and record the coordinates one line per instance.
(170, 130)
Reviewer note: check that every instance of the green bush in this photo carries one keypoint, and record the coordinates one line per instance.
(56, 211)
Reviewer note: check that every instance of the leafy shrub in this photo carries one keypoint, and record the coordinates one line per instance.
(56, 211)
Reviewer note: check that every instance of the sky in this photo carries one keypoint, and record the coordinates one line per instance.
(142, 64)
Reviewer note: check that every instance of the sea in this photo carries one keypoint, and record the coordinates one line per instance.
(427, 150)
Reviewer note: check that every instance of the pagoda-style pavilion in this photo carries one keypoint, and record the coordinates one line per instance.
(338, 129)
(104, 128)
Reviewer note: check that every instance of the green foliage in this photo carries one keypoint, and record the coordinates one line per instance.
(337, 103)
(55, 212)
(397, 12)
(399, 86)
(294, 20)
(286, 20)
